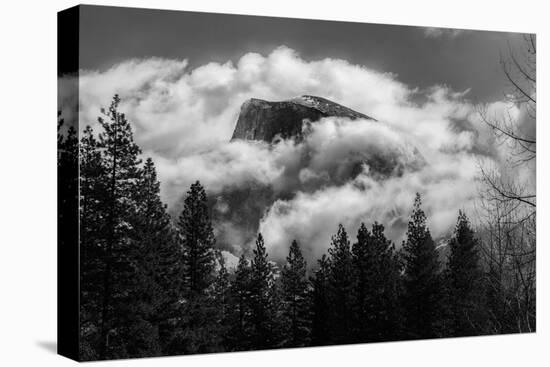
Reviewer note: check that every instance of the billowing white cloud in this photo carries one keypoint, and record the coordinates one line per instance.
(184, 118)
(446, 183)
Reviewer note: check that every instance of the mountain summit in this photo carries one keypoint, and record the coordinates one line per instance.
(308, 167)
(264, 120)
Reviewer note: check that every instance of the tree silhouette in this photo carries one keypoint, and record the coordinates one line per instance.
(464, 280)
(422, 278)
(120, 159)
(154, 256)
(196, 325)
(341, 280)
(261, 297)
(197, 241)
(376, 288)
(320, 326)
(241, 316)
(295, 299)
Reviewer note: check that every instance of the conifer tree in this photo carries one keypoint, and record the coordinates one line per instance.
(320, 302)
(67, 172)
(197, 242)
(222, 299)
(388, 308)
(423, 288)
(464, 280)
(68, 223)
(295, 299)
(92, 257)
(376, 287)
(363, 271)
(67, 164)
(196, 324)
(240, 296)
(341, 279)
(261, 297)
(92, 187)
(119, 155)
(67, 145)
(154, 257)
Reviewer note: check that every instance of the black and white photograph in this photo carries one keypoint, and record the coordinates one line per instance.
(284, 183)
(243, 183)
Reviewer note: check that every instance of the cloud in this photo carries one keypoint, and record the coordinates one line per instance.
(176, 110)
(446, 183)
(432, 32)
(231, 261)
(344, 171)
(225, 166)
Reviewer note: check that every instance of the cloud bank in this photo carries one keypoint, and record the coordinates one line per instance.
(428, 141)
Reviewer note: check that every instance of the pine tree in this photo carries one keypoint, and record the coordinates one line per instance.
(196, 323)
(121, 164)
(241, 316)
(92, 187)
(67, 164)
(197, 242)
(320, 301)
(464, 280)
(222, 300)
(376, 287)
(67, 145)
(388, 308)
(422, 278)
(154, 256)
(67, 227)
(261, 298)
(363, 263)
(92, 257)
(341, 279)
(295, 299)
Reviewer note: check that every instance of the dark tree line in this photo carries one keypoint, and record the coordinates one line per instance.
(152, 286)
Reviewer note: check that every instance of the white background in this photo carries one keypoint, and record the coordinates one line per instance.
(28, 182)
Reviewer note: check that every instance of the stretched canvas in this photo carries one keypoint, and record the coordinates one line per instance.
(237, 183)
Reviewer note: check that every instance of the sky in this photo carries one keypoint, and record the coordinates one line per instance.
(420, 57)
(183, 76)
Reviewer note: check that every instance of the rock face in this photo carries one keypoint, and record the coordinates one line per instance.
(263, 120)
(237, 210)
